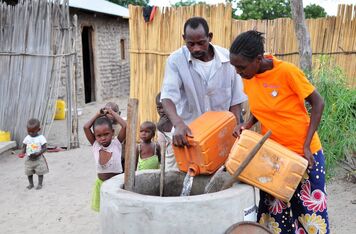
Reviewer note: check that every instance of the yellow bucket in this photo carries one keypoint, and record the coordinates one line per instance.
(60, 110)
(5, 136)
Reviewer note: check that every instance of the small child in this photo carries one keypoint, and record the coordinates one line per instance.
(115, 124)
(34, 145)
(117, 128)
(164, 124)
(164, 135)
(106, 150)
(148, 152)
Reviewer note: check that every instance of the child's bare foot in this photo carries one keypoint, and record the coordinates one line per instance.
(39, 187)
(30, 186)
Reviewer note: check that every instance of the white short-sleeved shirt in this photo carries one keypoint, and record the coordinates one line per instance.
(114, 164)
(34, 144)
(192, 94)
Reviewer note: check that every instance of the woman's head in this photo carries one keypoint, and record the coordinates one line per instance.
(147, 131)
(246, 53)
(103, 131)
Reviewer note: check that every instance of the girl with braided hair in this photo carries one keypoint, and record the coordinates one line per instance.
(277, 91)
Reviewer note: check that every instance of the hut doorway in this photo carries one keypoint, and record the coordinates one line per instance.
(88, 64)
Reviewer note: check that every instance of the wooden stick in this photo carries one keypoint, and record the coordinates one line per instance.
(163, 168)
(247, 160)
(130, 152)
(69, 83)
(74, 131)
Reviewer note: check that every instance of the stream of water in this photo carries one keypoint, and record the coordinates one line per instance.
(187, 185)
(213, 180)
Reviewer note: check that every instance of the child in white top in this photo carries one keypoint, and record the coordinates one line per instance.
(107, 151)
(34, 145)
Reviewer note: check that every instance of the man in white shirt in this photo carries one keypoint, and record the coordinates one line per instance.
(199, 78)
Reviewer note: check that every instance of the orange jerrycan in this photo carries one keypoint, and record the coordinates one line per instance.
(274, 169)
(210, 145)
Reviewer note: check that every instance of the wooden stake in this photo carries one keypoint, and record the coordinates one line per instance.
(74, 138)
(163, 168)
(247, 160)
(130, 150)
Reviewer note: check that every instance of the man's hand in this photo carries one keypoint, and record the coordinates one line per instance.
(309, 156)
(180, 135)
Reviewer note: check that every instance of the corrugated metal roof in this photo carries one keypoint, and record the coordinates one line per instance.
(101, 6)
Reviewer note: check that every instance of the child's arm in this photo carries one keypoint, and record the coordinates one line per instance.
(158, 151)
(24, 148)
(23, 151)
(87, 128)
(39, 153)
(122, 134)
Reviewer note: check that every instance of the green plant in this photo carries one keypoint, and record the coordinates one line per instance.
(314, 11)
(337, 129)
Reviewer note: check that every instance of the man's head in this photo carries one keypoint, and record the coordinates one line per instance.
(33, 127)
(197, 37)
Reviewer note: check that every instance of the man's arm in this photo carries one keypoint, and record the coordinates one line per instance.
(181, 129)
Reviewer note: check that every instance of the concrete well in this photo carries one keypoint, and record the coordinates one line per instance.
(143, 211)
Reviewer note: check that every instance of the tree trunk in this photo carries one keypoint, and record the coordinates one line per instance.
(303, 36)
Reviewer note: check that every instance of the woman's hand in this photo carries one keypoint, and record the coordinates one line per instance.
(309, 156)
(240, 127)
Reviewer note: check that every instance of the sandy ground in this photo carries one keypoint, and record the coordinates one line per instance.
(63, 205)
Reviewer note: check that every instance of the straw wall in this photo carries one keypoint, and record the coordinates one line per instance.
(151, 43)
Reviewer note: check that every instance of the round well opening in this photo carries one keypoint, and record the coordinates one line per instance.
(149, 183)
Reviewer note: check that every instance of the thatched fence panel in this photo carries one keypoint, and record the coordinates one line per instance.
(151, 43)
(34, 40)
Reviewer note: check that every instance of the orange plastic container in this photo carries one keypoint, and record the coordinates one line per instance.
(210, 145)
(274, 169)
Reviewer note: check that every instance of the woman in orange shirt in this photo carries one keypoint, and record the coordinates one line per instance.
(277, 91)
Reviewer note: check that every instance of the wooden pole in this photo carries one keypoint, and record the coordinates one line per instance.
(69, 78)
(130, 150)
(247, 160)
(163, 168)
(75, 139)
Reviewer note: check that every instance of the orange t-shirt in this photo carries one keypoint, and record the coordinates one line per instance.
(276, 99)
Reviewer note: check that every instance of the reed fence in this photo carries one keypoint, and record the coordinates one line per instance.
(36, 40)
(152, 42)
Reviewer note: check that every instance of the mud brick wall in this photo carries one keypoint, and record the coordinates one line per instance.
(111, 72)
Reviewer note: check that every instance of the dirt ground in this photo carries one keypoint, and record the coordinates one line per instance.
(63, 204)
